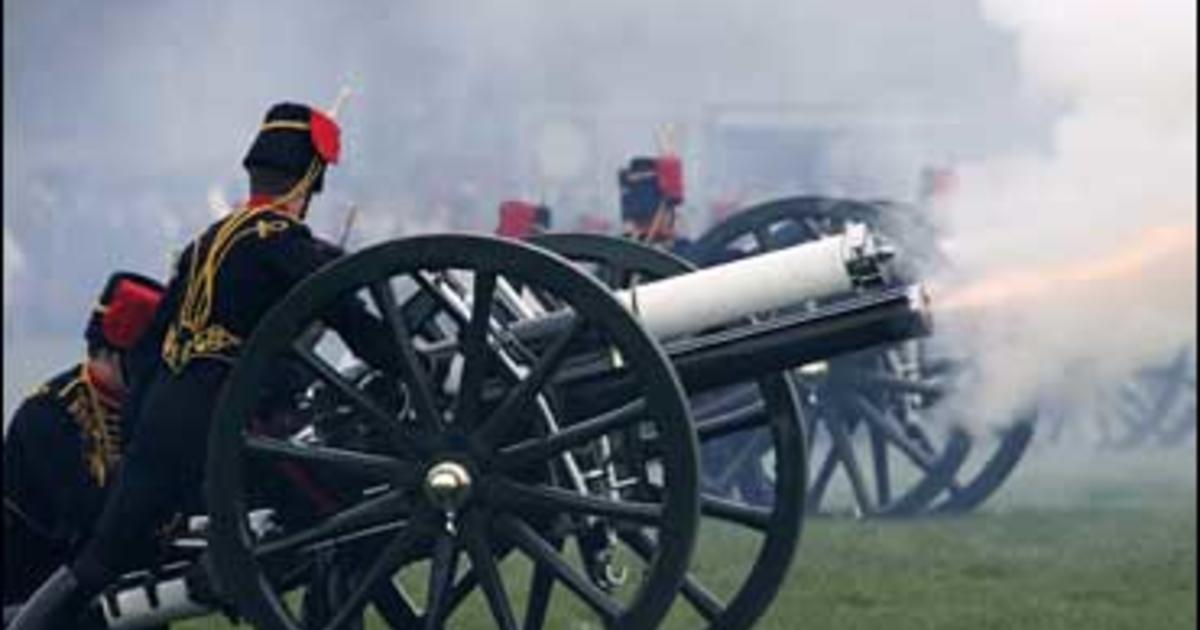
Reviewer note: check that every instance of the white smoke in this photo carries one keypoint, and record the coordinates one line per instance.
(1103, 225)
(14, 269)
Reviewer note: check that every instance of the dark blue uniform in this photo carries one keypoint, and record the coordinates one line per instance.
(59, 454)
(223, 284)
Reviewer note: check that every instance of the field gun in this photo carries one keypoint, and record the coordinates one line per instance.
(548, 423)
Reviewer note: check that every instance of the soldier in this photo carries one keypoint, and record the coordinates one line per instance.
(521, 219)
(66, 439)
(223, 283)
(651, 190)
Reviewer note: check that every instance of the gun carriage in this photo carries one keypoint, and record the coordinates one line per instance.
(873, 415)
(1154, 406)
(536, 455)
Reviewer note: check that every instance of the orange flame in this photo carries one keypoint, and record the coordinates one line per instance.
(1149, 248)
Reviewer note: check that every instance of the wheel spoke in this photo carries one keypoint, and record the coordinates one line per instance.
(377, 415)
(748, 454)
(474, 348)
(766, 240)
(613, 276)
(844, 448)
(702, 600)
(413, 372)
(540, 588)
(377, 466)
(741, 419)
(543, 554)
(512, 409)
(726, 510)
(381, 569)
(888, 428)
(479, 550)
(384, 508)
(537, 450)
(557, 500)
(821, 481)
(395, 608)
(448, 307)
(443, 566)
(879, 457)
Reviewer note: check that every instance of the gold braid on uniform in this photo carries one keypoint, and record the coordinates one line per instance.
(193, 334)
(99, 419)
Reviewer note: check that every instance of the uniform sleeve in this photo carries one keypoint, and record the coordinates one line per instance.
(43, 470)
(296, 254)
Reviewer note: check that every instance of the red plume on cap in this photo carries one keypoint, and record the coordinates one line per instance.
(669, 170)
(326, 136)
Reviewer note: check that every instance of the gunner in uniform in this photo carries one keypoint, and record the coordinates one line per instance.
(65, 440)
(651, 191)
(224, 282)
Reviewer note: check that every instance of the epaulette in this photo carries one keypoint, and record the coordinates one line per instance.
(41, 390)
(69, 388)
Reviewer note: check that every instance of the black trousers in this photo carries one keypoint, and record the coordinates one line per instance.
(162, 473)
(30, 556)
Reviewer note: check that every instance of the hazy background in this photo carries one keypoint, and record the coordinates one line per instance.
(1072, 129)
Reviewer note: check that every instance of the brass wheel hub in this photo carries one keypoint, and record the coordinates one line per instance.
(448, 484)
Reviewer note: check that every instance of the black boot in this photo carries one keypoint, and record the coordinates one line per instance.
(56, 605)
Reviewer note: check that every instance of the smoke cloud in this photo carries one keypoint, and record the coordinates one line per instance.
(124, 116)
(123, 119)
(1079, 263)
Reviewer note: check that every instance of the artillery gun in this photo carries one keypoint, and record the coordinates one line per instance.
(1154, 406)
(871, 414)
(542, 424)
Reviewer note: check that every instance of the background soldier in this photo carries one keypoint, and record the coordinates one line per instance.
(66, 439)
(521, 219)
(651, 190)
(224, 282)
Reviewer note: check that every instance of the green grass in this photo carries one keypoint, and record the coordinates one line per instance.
(1088, 568)
(1076, 540)
(1099, 542)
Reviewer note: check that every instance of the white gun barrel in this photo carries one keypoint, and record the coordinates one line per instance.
(788, 277)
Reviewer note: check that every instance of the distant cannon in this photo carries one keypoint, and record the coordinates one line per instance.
(869, 414)
(1151, 407)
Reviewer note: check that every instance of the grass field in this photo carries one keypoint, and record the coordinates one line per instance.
(1093, 542)
(1075, 541)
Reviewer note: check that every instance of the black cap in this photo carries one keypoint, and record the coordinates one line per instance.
(640, 196)
(292, 137)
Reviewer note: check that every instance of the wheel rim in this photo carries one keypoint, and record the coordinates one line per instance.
(504, 487)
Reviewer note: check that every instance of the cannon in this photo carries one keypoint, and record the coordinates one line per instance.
(1153, 406)
(537, 457)
(541, 441)
(871, 414)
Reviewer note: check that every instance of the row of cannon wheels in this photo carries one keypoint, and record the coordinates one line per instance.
(735, 460)
(1153, 407)
(506, 428)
